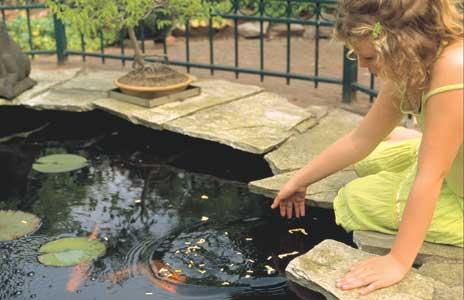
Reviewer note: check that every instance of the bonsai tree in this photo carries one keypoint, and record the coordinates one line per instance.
(91, 16)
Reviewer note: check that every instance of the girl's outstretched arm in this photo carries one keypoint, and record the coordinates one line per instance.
(382, 118)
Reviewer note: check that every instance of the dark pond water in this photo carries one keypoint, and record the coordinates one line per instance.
(147, 193)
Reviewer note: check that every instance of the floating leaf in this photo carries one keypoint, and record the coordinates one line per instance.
(58, 163)
(15, 224)
(70, 251)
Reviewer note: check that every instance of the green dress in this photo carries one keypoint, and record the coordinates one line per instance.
(377, 199)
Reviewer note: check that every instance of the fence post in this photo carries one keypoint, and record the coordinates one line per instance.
(350, 76)
(60, 38)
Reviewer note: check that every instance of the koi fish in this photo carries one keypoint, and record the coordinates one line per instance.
(80, 273)
(168, 284)
(173, 275)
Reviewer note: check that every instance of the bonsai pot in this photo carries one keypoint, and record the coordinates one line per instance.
(148, 92)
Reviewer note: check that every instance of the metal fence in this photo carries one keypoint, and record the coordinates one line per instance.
(316, 13)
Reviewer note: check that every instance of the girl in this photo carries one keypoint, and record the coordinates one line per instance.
(409, 187)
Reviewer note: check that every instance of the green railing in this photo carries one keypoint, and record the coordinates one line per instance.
(317, 13)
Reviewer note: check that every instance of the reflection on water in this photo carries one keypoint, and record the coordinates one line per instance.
(149, 211)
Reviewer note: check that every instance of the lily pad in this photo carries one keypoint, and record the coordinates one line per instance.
(70, 251)
(58, 163)
(15, 224)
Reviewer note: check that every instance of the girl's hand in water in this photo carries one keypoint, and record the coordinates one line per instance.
(290, 197)
(373, 273)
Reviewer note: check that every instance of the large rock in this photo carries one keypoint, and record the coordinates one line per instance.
(45, 81)
(252, 29)
(319, 194)
(255, 124)
(379, 243)
(328, 261)
(300, 149)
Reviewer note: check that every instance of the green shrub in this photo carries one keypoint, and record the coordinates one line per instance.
(43, 35)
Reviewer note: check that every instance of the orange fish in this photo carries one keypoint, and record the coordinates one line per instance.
(168, 284)
(81, 272)
(162, 284)
(158, 265)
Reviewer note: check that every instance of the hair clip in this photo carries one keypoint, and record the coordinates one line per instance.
(377, 30)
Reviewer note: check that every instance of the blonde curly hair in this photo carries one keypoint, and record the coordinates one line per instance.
(407, 38)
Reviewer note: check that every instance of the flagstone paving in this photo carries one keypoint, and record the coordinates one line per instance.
(300, 149)
(214, 93)
(328, 261)
(255, 124)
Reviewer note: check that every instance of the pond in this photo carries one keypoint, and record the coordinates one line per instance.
(159, 202)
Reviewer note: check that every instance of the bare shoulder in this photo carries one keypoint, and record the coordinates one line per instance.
(448, 69)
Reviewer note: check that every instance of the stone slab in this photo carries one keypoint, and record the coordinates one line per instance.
(379, 243)
(450, 274)
(318, 112)
(319, 194)
(448, 284)
(97, 81)
(65, 100)
(76, 94)
(255, 124)
(300, 149)
(119, 108)
(45, 81)
(213, 93)
(444, 292)
(330, 260)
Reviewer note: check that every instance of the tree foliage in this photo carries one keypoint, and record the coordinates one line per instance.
(90, 16)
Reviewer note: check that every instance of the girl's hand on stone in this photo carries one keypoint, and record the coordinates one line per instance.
(373, 273)
(290, 197)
